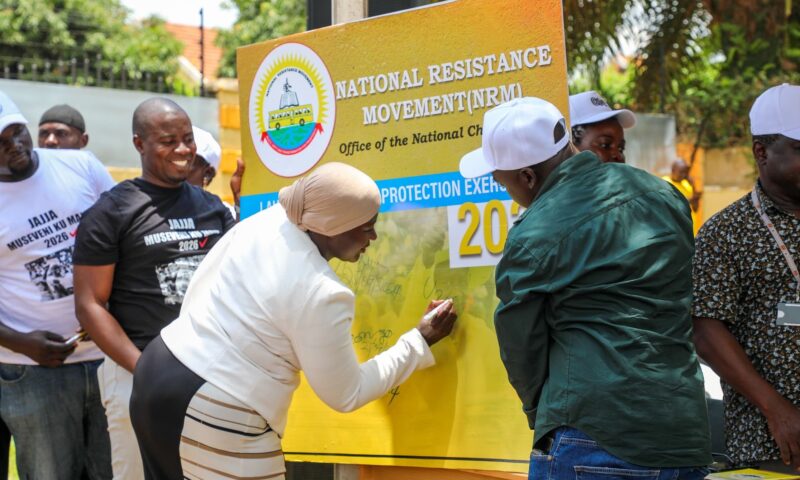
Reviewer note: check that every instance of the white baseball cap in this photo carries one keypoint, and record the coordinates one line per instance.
(207, 147)
(777, 111)
(516, 134)
(589, 107)
(9, 113)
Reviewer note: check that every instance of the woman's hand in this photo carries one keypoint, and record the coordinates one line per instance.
(438, 321)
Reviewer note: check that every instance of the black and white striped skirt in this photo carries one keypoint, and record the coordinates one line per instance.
(190, 429)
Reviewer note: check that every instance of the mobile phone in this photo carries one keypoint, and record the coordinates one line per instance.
(76, 338)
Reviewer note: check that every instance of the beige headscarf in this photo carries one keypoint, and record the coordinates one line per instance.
(331, 200)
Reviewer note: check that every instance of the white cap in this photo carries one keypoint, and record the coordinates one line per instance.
(589, 107)
(777, 111)
(516, 134)
(9, 113)
(207, 147)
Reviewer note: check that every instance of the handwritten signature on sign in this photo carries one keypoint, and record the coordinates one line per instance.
(373, 342)
(369, 277)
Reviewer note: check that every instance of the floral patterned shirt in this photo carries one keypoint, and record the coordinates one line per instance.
(740, 276)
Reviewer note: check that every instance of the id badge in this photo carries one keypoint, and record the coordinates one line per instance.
(788, 314)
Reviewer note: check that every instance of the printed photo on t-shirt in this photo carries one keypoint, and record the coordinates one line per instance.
(52, 274)
(174, 277)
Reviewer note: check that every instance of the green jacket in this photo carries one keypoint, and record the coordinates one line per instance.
(593, 320)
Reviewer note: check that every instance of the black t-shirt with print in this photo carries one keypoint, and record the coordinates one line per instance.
(156, 237)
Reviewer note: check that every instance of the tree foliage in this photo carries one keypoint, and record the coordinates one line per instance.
(593, 30)
(701, 60)
(259, 21)
(52, 30)
(146, 47)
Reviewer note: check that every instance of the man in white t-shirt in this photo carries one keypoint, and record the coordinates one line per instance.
(49, 395)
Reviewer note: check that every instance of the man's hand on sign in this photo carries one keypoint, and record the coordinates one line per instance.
(438, 321)
(236, 186)
(784, 424)
(236, 180)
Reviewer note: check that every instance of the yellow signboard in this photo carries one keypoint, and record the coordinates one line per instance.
(402, 97)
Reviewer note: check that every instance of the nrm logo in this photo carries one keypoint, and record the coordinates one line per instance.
(290, 112)
(292, 109)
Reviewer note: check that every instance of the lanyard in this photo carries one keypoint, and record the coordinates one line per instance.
(777, 236)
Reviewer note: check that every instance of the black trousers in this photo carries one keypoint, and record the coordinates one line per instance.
(162, 390)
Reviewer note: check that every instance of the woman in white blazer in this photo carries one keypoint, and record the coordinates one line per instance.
(211, 393)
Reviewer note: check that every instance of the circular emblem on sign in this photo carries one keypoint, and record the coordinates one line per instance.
(292, 110)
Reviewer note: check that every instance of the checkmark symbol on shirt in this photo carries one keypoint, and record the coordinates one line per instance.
(203, 242)
(73, 233)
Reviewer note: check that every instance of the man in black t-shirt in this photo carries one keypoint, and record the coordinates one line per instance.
(135, 251)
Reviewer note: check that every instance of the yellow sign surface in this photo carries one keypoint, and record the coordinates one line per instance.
(402, 98)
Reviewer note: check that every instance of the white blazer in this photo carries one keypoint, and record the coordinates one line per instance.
(263, 305)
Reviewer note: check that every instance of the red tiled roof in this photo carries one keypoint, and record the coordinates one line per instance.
(189, 36)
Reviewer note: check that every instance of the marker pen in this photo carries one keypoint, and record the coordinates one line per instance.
(429, 316)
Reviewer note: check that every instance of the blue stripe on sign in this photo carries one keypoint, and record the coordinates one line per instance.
(252, 204)
(411, 193)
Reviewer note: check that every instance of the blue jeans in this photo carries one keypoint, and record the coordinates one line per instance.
(574, 455)
(57, 421)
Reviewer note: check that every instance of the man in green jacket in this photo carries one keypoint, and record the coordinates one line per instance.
(595, 289)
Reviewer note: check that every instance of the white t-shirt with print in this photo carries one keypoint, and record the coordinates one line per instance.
(40, 217)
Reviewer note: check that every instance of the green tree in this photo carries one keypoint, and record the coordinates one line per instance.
(45, 29)
(702, 60)
(713, 95)
(52, 31)
(259, 21)
(592, 32)
(144, 47)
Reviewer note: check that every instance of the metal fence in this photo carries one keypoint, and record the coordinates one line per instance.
(95, 72)
(107, 113)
